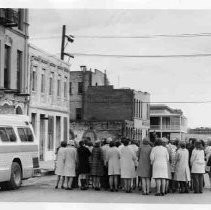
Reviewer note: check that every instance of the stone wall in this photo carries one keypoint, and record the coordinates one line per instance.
(96, 130)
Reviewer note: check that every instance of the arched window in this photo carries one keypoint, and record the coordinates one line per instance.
(19, 110)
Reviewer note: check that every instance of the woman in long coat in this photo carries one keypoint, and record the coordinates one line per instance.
(182, 170)
(165, 144)
(159, 158)
(128, 162)
(97, 161)
(60, 160)
(144, 169)
(198, 167)
(70, 163)
(113, 161)
(83, 164)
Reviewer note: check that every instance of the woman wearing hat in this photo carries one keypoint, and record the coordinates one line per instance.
(113, 161)
(60, 164)
(70, 163)
(83, 164)
(182, 170)
(197, 162)
(144, 166)
(128, 162)
(159, 158)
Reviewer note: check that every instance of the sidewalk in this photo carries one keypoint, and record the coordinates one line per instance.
(47, 167)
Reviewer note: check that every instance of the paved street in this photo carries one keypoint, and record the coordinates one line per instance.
(42, 190)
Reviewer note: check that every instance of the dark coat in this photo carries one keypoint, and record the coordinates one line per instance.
(144, 169)
(83, 160)
(97, 162)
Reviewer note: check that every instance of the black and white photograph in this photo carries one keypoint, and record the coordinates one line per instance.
(105, 104)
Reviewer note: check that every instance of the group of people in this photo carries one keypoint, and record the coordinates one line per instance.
(123, 164)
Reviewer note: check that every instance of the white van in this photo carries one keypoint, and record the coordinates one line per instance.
(18, 150)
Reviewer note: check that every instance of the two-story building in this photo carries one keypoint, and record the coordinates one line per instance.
(167, 122)
(49, 100)
(14, 91)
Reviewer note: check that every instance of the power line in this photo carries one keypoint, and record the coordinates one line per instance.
(145, 36)
(143, 56)
(152, 102)
(183, 35)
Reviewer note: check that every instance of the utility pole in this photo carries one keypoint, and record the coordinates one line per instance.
(63, 39)
(70, 38)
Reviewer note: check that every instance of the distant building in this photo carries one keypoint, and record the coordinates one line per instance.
(49, 100)
(110, 112)
(199, 133)
(79, 83)
(14, 92)
(201, 130)
(167, 122)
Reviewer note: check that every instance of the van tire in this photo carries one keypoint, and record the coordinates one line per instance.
(15, 177)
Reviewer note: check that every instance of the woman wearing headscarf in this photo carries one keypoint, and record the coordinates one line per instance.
(70, 163)
(159, 158)
(144, 169)
(97, 161)
(113, 161)
(165, 144)
(83, 164)
(182, 170)
(60, 160)
(128, 161)
(197, 162)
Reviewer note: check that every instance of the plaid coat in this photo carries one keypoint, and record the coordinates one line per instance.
(97, 162)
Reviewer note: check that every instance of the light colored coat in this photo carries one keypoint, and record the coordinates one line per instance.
(160, 159)
(70, 161)
(113, 160)
(60, 162)
(134, 148)
(127, 162)
(197, 162)
(182, 170)
(105, 149)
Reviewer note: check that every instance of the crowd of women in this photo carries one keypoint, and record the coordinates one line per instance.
(176, 166)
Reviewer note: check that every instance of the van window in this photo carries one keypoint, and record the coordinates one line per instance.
(22, 134)
(7, 134)
(11, 134)
(29, 134)
(25, 134)
(3, 135)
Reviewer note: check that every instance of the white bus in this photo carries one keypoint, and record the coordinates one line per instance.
(18, 150)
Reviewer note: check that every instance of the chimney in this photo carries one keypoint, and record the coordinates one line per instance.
(105, 79)
(83, 68)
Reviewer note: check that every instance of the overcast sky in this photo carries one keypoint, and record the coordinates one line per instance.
(166, 79)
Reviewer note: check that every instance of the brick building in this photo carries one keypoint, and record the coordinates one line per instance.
(49, 100)
(14, 92)
(109, 112)
(79, 83)
(127, 107)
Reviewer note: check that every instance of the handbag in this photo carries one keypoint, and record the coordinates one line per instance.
(209, 161)
(207, 169)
